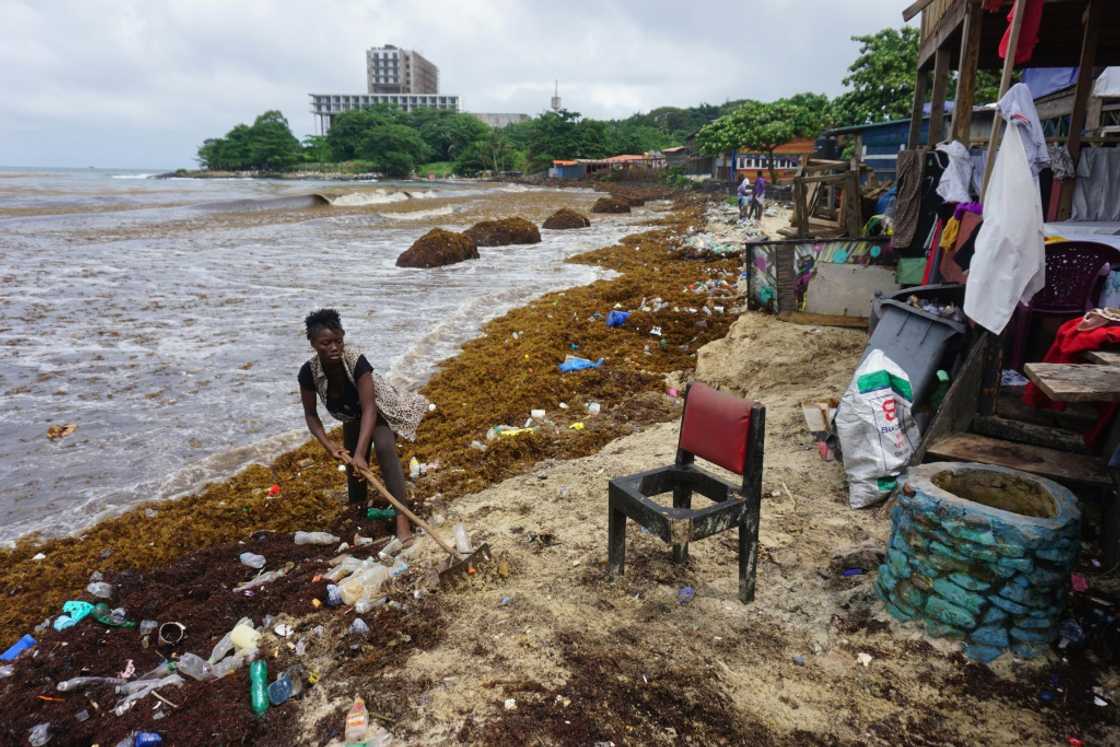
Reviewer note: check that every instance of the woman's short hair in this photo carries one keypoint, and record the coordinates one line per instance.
(322, 319)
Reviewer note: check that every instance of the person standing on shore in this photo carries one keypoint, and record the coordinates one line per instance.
(758, 196)
(372, 411)
(744, 188)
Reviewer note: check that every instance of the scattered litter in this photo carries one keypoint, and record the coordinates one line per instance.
(40, 734)
(575, 363)
(38, 556)
(655, 331)
(56, 432)
(357, 722)
(359, 627)
(577, 426)
(129, 671)
(849, 572)
(673, 392)
(505, 601)
(315, 538)
(265, 578)
(1078, 582)
(537, 414)
(864, 659)
(1011, 377)
(100, 589)
(258, 687)
(617, 318)
(799, 660)
(381, 514)
(685, 595)
(342, 468)
(510, 704)
(274, 490)
(594, 408)
(252, 560)
(283, 630)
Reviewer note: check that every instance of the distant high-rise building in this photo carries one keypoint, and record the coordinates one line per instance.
(390, 69)
(556, 98)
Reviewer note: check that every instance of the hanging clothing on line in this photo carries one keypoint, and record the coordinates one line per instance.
(1009, 266)
(1096, 193)
(1028, 34)
(908, 203)
(1017, 105)
(955, 182)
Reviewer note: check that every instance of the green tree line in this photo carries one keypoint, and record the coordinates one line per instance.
(879, 87)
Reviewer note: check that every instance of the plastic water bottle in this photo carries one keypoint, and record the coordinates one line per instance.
(147, 739)
(280, 690)
(315, 538)
(258, 686)
(41, 734)
(228, 665)
(357, 723)
(195, 667)
(414, 468)
(252, 560)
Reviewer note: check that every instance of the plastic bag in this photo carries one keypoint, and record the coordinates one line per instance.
(1009, 265)
(876, 430)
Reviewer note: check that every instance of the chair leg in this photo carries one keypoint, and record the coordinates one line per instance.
(616, 542)
(682, 498)
(748, 555)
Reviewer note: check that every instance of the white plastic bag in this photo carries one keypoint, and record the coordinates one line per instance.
(876, 430)
(1009, 265)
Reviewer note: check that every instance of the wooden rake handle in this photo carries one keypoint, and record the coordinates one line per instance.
(400, 506)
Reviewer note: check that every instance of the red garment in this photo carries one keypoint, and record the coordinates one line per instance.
(1068, 346)
(1028, 35)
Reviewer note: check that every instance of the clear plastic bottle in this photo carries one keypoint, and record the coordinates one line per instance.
(76, 682)
(280, 690)
(357, 723)
(365, 604)
(252, 560)
(225, 644)
(390, 550)
(228, 665)
(364, 583)
(399, 568)
(40, 734)
(315, 538)
(195, 667)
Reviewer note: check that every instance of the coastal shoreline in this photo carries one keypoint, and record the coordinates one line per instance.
(233, 508)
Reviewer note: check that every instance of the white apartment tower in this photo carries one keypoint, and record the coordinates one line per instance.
(390, 70)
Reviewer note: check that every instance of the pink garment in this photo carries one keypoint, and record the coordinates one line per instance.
(1028, 35)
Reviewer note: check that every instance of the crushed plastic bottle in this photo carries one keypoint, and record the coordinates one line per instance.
(390, 550)
(100, 589)
(252, 560)
(315, 538)
(363, 583)
(76, 682)
(264, 578)
(195, 667)
(357, 723)
(462, 539)
(399, 568)
(147, 739)
(228, 665)
(113, 618)
(258, 686)
(225, 643)
(40, 734)
(281, 690)
(365, 604)
(334, 595)
(6, 671)
(147, 627)
(359, 627)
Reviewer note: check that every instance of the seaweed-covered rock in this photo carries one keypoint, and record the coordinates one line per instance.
(611, 205)
(503, 232)
(565, 218)
(437, 248)
(631, 200)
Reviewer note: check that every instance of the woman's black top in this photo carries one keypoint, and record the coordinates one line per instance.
(349, 405)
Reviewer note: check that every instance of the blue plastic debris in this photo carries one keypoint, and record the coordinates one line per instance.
(575, 363)
(18, 648)
(849, 572)
(617, 318)
(685, 595)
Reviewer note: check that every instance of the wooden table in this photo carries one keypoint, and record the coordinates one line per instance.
(1076, 382)
(1105, 357)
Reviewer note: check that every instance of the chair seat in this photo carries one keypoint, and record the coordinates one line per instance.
(677, 525)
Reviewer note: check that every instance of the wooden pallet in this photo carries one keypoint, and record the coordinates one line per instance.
(1062, 466)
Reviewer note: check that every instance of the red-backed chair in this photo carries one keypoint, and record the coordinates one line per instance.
(721, 429)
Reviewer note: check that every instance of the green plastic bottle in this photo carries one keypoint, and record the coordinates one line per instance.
(258, 686)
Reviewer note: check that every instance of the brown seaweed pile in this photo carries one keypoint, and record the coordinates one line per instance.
(565, 218)
(611, 205)
(437, 248)
(502, 232)
(496, 379)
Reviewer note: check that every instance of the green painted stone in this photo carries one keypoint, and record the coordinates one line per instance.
(977, 552)
(1009, 550)
(925, 583)
(1033, 636)
(916, 541)
(940, 549)
(886, 577)
(969, 600)
(991, 635)
(898, 542)
(1055, 554)
(918, 504)
(897, 613)
(1023, 595)
(982, 654)
(994, 615)
(899, 563)
(940, 630)
(1028, 650)
(944, 564)
(1008, 606)
(1025, 565)
(945, 611)
(907, 593)
(968, 582)
(1002, 571)
(1047, 578)
(979, 535)
(921, 565)
(1034, 622)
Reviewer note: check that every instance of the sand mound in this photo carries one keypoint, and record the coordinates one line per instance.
(611, 205)
(565, 218)
(437, 248)
(502, 232)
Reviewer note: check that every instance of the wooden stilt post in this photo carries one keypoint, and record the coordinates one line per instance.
(937, 96)
(920, 85)
(966, 71)
(1090, 37)
(1004, 83)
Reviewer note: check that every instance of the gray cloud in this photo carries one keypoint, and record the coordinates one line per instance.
(140, 83)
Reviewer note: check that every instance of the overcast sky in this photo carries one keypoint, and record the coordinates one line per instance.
(140, 83)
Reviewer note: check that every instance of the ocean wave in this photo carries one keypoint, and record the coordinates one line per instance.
(419, 214)
(135, 176)
(361, 199)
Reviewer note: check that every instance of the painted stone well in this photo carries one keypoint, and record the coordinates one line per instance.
(981, 554)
